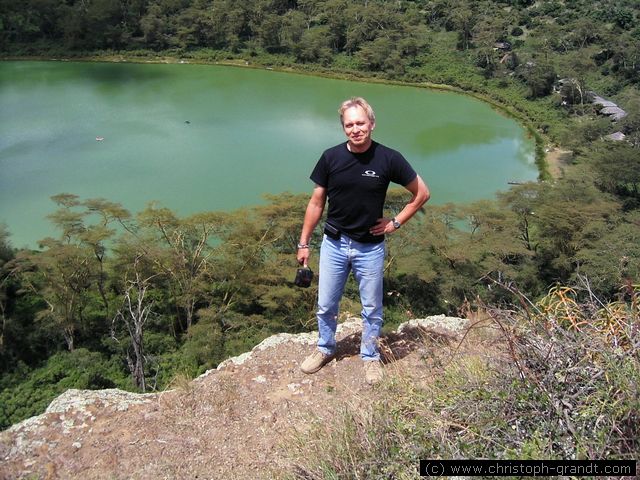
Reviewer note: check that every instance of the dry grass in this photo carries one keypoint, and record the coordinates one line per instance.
(559, 381)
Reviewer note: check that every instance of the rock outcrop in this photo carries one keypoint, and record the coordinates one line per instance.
(231, 422)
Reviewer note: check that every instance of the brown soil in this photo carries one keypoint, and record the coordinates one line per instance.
(236, 422)
(557, 160)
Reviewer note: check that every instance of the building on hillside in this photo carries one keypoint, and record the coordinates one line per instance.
(609, 108)
(617, 136)
(502, 46)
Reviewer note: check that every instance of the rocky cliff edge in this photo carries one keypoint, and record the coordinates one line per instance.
(231, 422)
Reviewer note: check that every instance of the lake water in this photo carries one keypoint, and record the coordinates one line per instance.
(206, 137)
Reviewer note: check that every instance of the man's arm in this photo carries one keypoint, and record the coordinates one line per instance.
(420, 195)
(311, 218)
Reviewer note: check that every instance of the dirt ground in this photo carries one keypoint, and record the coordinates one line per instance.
(557, 160)
(233, 423)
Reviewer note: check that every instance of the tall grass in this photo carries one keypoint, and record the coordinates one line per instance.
(522, 384)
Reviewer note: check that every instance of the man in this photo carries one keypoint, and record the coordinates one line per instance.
(354, 176)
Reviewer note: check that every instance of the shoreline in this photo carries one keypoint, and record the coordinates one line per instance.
(546, 161)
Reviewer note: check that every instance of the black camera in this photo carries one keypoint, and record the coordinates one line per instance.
(304, 276)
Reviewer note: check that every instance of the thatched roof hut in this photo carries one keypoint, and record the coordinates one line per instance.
(609, 108)
(617, 136)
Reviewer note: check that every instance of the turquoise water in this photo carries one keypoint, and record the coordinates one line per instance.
(206, 137)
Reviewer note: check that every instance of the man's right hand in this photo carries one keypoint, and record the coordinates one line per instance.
(312, 216)
(303, 256)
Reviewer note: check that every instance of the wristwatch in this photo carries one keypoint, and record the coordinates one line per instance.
(396, 223)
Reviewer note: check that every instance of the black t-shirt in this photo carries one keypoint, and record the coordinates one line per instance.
(357, 184)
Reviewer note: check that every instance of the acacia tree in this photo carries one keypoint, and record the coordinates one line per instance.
(626, 57)
(294, 24)
(97, 236)
(154, 27)
(62, 276)
(461, 18)
(486, 32)
(256, 262)
(567, 215)
(181, 250)
(6, 254)
(311, 11)
(134, 313)
(539, 77)
(379, 54)
(521, 200)
(315, 45)
(281, 220)
(618, 171)
(64, 272)
(574, 91)
(608, 260)
(630, 124)
(584, 32)
(427, 263)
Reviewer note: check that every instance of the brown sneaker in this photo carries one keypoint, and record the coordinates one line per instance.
(315, 362)
(373, 372)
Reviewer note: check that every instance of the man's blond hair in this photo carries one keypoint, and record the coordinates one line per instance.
(357, 102)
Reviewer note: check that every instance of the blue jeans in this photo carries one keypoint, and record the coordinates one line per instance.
(337, 259)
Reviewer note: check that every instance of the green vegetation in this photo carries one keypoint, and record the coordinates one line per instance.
(139, 300)
(147, 297)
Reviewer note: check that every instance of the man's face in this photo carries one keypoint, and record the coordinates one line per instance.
(358, 128)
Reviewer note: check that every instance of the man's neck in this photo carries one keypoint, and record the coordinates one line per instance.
(359, 149)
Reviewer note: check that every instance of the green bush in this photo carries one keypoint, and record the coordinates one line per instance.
(81, 369)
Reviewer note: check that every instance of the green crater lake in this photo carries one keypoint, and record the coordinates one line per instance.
(206, 137)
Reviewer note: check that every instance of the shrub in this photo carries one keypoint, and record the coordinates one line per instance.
(80, 369)
(566, 384)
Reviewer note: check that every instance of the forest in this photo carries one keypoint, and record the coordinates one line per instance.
(134, 299)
